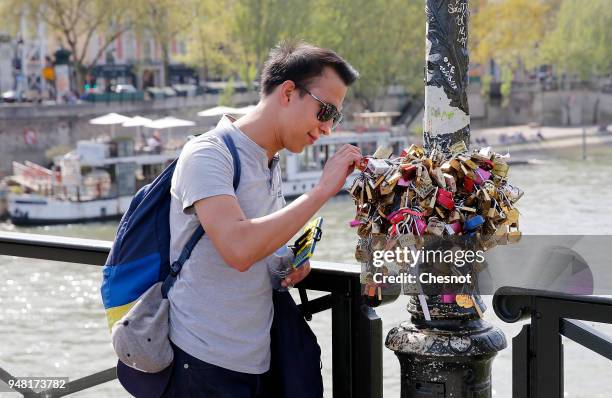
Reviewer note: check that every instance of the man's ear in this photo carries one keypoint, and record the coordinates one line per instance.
(286, 91)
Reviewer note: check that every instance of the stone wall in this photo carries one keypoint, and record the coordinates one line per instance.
(548, 108)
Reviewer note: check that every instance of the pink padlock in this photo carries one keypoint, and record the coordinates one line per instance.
(481, 175)
(448, 298)
(454, 228)
(402, 182)
(419, 225)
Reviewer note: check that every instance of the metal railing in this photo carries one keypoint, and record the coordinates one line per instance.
(356, 328)
(537, 351)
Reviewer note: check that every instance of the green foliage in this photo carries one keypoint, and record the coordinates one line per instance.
(580, 40)
(226, 98)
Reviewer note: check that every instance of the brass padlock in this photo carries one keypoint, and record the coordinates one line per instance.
(383, 153)
(512, 216)
(458, 147)
(500, 168)
(438, 177)
(514, 235)
(464, 301)
(454, 215)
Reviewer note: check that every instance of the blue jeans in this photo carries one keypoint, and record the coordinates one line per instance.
(195, 378)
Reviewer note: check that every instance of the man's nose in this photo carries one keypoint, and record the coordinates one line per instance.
(326, 127)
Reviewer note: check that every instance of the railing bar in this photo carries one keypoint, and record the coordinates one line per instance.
(319, 304)
(81, 384)
(6, 376)
(587, 336)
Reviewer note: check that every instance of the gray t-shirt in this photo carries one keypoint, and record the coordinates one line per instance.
(218, 314)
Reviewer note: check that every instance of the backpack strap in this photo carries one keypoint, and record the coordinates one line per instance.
(176, 266)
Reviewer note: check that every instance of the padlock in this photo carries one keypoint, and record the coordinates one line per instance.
(386, 188)
(378, 166)
(418, 225)
(408, 171)
(514, 236)
(470, 164)
(458, 147)
(383, 153)
(369, 192)
(480, 176)
(438, 177)
(445, 199)
(464, 301)
(512, 216)
(511, 192)
(424, 189)
(435, 226)
(416, 151)
(362, 165)
(468, 184)
(402, 182)
(454, 216)
(454, 228)
(447, 298)
(471, 200)
(471, 224)
(500, 168)
(449, 180)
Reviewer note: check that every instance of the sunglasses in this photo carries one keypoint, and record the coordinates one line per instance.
(327, 112)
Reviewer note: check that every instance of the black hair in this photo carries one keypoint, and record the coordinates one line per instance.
(300, 62)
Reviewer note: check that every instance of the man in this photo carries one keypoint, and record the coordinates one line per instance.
(221, 305)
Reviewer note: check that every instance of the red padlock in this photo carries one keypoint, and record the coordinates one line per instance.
(409, 171)
(445, 199)
(468, 184)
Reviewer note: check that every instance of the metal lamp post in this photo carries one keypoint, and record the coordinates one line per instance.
(449, 355)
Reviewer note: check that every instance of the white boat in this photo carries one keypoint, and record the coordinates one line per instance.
(97, 181)
(301, 172)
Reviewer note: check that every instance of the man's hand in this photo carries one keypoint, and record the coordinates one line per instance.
(338, 168)
(297, 275)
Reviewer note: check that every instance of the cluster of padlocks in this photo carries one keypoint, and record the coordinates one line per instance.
(460, 193)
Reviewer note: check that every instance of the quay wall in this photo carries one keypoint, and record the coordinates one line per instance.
(546, 108)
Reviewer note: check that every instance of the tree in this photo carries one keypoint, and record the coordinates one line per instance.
(383, 40)
(209, 45)
(165, 20)
(579, 41)
(509, 32)
(259, 25)
(79, 23)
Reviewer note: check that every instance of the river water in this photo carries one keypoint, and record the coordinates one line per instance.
(52, 322)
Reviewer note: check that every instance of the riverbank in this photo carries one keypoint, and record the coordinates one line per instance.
(528, 142)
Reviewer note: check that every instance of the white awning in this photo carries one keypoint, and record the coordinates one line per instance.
(137, 121)
(109, 119)
(169, 122)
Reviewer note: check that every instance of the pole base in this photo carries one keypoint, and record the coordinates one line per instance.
(446, 358)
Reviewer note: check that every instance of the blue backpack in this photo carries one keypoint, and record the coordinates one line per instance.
(139, 257)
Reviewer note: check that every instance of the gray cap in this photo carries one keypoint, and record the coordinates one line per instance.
(140, 338)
